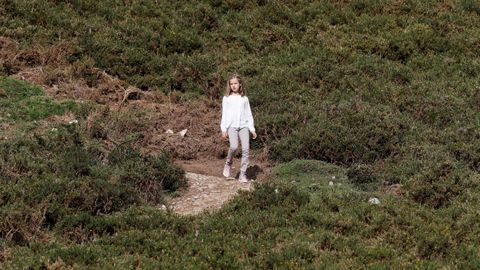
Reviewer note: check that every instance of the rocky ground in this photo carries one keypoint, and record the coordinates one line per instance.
(208, 190)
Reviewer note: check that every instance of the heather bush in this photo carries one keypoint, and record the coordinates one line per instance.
(361, 174)
(440, 184)
(361, 134)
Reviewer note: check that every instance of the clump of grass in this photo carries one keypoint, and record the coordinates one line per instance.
(25, 102)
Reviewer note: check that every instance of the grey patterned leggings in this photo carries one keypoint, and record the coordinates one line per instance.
(233, 135)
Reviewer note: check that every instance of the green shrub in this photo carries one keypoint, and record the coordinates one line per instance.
(361, 174)
(150, 175)
(471, 6)
(84, 227)
(353, 133)
(440, 184)
(273, 194)
(19, 224)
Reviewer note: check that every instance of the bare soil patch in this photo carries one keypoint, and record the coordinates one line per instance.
(206, 193)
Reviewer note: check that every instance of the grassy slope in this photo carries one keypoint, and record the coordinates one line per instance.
(387, 89)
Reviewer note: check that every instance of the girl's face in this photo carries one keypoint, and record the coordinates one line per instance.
(234, 85)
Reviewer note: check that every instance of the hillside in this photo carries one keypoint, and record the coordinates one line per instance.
(367, 94)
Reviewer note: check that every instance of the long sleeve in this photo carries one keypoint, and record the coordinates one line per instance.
(248, 114)
(223, 123)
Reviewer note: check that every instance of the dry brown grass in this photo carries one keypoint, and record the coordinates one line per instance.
(22, 227)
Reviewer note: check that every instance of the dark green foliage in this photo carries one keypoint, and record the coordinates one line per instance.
(440, 184)
(360, 174)
(151, 175)
(268, 229)
(348, 133)
(471, 6)
(273, 194)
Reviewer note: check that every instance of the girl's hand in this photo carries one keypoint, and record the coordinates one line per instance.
(254, 135)
(225, 135)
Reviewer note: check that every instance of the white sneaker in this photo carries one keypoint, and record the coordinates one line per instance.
(243, 178)
(226, 171)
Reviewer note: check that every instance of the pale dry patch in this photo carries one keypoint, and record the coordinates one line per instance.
(206, 193)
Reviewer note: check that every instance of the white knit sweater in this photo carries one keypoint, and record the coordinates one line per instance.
(236, 113)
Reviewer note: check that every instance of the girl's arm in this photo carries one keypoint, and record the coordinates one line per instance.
(248, 111)
(223, 122)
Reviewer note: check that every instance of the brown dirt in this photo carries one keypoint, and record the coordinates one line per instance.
(200, 152)
(208, 190)
(206, 193)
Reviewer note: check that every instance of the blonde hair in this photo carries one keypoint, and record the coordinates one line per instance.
(241, 90)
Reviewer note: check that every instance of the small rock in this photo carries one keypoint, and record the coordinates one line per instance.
(276, 191)
(374, 200)
(183, 132)
(169, 131)
(333, 177)
(163, 207)
(74, 121)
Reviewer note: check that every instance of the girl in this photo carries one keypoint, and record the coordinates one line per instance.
(237, 122)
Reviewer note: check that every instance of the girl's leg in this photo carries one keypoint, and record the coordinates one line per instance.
(244, 135)
(233, 138)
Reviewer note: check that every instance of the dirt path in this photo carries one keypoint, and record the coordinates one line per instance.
(208, 190)
(206, 193)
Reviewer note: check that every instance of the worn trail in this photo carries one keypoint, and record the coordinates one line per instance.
(206, 193)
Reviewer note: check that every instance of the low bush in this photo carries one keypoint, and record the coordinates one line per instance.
(438, 185)
(274, 194)
(150, 175)
(362, 175)
(350, 133)
(20, 224)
